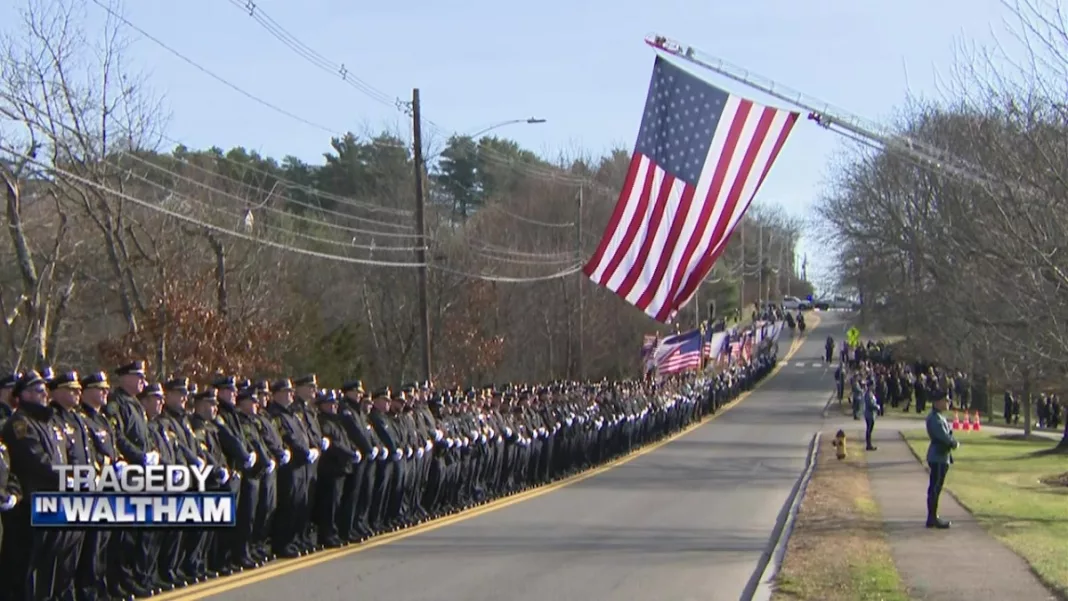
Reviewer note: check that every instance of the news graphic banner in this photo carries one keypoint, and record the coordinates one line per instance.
(133, 496)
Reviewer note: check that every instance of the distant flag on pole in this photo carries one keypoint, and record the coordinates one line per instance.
(700, 158)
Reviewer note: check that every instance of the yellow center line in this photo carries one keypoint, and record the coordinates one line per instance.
(285, 566)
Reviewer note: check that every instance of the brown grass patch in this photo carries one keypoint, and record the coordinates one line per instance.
(838, 550)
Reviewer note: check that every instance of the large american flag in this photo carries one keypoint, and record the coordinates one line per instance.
(679, 353)
(701, 156)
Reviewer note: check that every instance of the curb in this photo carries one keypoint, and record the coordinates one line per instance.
(760, 585)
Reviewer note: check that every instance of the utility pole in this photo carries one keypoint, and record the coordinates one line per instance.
(420, 227)
(581, 294)
(760, 264)
(741, 282)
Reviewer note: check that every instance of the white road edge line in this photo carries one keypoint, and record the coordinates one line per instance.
(765, 586)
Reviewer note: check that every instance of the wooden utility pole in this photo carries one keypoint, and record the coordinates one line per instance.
(420, 228)
(581, 293)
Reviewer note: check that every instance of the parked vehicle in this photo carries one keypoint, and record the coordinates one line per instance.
(792, 303)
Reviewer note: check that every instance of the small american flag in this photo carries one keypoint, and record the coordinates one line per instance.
(679, 353)
(700, 158)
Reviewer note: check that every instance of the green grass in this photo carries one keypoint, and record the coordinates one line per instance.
(838, 550)
(998, 480)
(877, 581)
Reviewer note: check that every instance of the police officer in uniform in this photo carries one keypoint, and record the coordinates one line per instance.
(251, 479)
(7, 407)
(336, 464)
(92, 579)
(147, 563)
(135, 443)
(359, 484)
(286, 536)
(173, 419)
(306, 387)
(199, 560)
(36, 442)
(10, 495)
(268, 501)
(939, 456)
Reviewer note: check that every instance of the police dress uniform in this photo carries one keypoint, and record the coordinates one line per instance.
(36, 442)
(92, 580)
(200, 560)
(939, 458)
(10, 495)
(293, 478)
(336, 464)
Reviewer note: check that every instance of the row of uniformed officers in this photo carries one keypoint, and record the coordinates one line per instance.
(310, 468)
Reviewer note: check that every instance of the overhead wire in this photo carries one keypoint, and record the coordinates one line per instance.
(239, 216)
(70, 176)
(293, 42)
(152, 165)
(364, 205)
(31, 159)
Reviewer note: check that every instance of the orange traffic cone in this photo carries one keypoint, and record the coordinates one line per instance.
(967, 425)
(976, 425)
(956, 421)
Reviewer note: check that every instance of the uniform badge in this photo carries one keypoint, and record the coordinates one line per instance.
(204, 446)
(114, 421)
(19, 428)
(59, 433)
(69, 429)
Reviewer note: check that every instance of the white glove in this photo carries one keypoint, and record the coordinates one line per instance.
(429, 445)
(313, 455)
(482, 438)
(224, 475)
(357, 457)
(374, 453)
(419, 453)
(250, 460)
(270, 466)
(120, 466)
(9, 502)
(398, 455)
(409, 452)
(200, 462)
(286, 456)
(70, 483)
(326, 443)
(176, 478)
(450, 442)
(151, 458)
(438, 434)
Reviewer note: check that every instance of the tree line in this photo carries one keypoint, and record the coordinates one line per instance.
(966, 256)
(123, 243)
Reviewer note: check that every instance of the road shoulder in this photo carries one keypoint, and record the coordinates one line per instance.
(838, 550)
(965, 562)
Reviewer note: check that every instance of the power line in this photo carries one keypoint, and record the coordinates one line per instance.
(253, 97)
(339, 70)
(30, 159)
(290, 214)
(197, 222)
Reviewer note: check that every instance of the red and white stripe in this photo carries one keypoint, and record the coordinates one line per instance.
(664, 235)
(680, 360)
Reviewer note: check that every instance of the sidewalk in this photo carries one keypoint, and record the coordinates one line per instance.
(963, 563)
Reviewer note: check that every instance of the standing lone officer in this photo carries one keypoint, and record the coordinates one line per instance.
(939, 456)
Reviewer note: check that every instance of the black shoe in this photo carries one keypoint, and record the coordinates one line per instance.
(939, 523)
(871, 448)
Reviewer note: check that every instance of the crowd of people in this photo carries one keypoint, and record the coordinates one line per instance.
(311, 468)
(911, 385)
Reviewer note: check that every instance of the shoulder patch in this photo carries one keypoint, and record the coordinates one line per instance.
(19, 428)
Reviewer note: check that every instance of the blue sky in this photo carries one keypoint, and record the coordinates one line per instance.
(581, 65)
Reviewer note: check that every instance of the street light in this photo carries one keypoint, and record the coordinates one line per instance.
(530, 120)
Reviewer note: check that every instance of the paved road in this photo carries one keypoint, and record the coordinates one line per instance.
(689, 520)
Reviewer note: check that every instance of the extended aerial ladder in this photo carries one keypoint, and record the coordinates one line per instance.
(834, 119)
